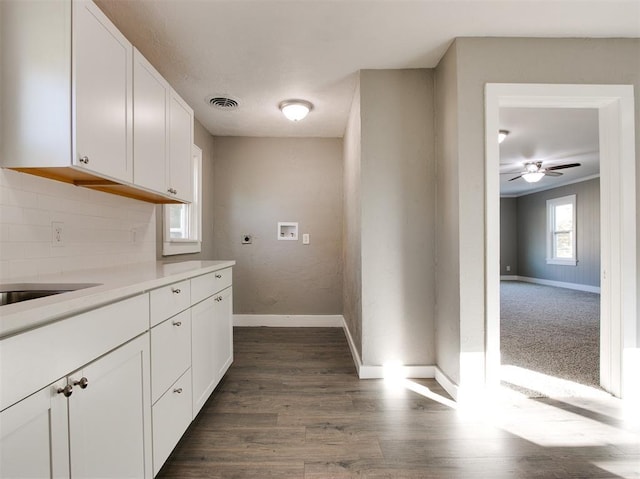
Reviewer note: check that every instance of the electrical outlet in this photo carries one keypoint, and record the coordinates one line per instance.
(57, 233)
(508, 268)
(247, 239)
(305, 238)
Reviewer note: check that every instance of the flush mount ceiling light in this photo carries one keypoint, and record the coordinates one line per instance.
(295, 110)
(502, 134)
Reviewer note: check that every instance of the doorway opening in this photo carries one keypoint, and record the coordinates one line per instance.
(614, 104)
(550, 251)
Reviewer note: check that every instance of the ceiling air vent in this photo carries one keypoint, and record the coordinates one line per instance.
(223, 103)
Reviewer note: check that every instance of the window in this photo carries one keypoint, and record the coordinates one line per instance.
(561, 231)
(183, 223)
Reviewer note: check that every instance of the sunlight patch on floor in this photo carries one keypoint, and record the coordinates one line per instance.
(547, 385)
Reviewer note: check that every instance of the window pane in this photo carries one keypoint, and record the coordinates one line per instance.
(562, 245)
(564, 217)
(178, 221)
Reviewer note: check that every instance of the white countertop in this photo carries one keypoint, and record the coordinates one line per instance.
(115, 284)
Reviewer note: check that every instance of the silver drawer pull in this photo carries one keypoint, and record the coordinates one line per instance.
(66, 391)
(178, 390)
(175, 290)
(177, 323)
(84, 160)
(83, 383)
(218, 276)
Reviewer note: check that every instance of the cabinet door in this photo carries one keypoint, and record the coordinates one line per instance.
(211, 344)
(223, 333)
(109, 420)
(150, 100)
(102, 83)
(180, 141)
(34, 440)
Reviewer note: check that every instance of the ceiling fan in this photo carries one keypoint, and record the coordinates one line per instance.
(534, 171)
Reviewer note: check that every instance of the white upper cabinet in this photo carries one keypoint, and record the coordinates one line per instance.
(68, 105)
(150, 125)
(102, 68)
(180, 143)
(163, 133)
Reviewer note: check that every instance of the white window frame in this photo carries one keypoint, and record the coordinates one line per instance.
(551, 209)
(192, 215)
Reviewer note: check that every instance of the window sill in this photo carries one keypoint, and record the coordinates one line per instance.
(183, 247)
(562, 262)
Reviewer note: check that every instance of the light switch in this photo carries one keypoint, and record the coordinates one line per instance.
(305, 238)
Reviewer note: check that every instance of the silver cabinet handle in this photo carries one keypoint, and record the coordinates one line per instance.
(83, 383)
(173, 191)
(218, 299)
(84, 159)
(178, 390)
(177, 323)
(66, 391)
(218, 276)
(175, 290)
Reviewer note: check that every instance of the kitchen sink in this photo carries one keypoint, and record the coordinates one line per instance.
(18, 292)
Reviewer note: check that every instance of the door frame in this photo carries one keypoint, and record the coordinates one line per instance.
(619, 353)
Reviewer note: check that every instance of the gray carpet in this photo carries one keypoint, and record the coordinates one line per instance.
(554, 331)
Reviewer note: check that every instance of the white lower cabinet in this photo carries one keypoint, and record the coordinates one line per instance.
(109, 419)
(211, 344)
(143, 367)
(171, 417)
(91, 424)
(34, 439)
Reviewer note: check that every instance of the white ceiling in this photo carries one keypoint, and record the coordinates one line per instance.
(263, 52)
(555, 136)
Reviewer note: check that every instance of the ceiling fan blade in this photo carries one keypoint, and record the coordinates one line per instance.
(552, 173)
(515, 178)
(562, 167)
(510, 173)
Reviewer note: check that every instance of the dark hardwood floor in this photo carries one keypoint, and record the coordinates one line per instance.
(291, 406)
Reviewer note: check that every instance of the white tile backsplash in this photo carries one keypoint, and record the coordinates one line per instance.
(97, 227)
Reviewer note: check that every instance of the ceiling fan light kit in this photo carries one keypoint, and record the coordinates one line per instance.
(502, 134)
(532, 177)
(534, 172)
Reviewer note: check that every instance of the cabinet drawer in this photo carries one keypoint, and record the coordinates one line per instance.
(171, 417)
(208, 284)
(169, 300)
(170, 352)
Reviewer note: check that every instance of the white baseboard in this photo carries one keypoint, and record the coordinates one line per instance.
(289, 320)
(557, 284)
(509, 277)
(352, 346)
(447, 384)
(366, 371)
(409, 372)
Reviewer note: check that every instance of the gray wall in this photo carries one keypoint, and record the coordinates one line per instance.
(509, 236)
(509, 60)
(447, 301)
(351, 226)
(203, 140)
(532, 248)
(397, 190)
(260, 181)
